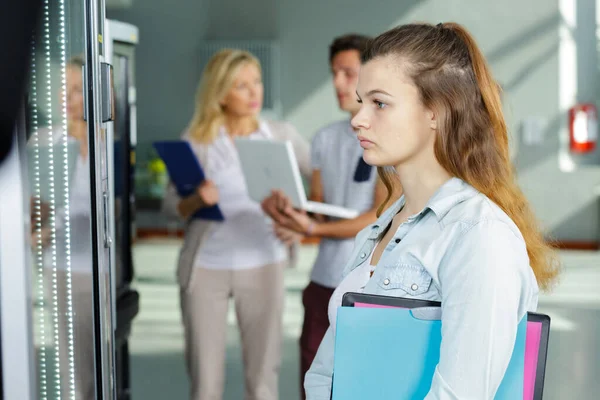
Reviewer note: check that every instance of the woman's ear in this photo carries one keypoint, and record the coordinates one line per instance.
(222, 102)
(433, 118)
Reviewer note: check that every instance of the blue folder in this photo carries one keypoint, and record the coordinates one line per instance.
(186, 173)
(389, 354)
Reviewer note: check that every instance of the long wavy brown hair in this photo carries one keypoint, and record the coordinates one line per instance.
(454, 81)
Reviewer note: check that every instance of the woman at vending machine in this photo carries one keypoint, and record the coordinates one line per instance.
(61, 234)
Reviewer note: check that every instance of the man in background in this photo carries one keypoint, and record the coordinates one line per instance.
(339, 177)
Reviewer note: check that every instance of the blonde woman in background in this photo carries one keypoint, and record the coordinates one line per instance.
(241, 257)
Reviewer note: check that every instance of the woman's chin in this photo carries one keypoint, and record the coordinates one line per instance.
(371, 158)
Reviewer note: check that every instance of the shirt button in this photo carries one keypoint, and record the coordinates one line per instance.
(363, 255)
(386, 282)
(397, 240)
(414, 286)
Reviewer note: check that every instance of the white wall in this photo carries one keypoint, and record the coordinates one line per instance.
(166, 63)
(523, 50)
(306, 30)
(236, 19)
(522, 44)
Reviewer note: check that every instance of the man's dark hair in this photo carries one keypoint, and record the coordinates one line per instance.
(351, 41)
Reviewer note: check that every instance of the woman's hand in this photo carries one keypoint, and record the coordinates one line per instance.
(287, 236)
(44, 235)
(297, 221)
(279, 207)
(208, 193)
(275, 205)
(42, 214)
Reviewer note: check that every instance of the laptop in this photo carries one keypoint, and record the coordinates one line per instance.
(271, 165)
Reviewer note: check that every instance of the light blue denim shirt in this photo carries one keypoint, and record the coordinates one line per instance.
(464, 251)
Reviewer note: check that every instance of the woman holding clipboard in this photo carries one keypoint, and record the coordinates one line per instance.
(462, 233)
(239, 257)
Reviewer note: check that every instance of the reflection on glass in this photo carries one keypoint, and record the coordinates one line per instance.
(59, 176)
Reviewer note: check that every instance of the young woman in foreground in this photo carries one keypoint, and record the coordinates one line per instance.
(431, 120)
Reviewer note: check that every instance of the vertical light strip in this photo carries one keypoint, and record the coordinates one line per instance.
(567, 77)
(37, 212)
(52, 216)
(66, 216)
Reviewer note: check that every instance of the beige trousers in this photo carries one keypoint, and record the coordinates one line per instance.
(258, 295)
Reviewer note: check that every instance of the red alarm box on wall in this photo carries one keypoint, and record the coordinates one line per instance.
(583, 128)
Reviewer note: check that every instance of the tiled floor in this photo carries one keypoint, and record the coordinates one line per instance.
(157, 364)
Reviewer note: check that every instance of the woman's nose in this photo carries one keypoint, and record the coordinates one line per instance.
(360, 120)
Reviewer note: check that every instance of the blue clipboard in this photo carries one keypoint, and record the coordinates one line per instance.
(186, 173)
(388, 353)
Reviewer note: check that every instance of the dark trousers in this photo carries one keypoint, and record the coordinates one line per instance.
(315, 299)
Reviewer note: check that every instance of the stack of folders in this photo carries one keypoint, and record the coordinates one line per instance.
(388, 348)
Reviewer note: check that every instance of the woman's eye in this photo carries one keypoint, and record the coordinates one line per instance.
(359, 101)
(379, 104)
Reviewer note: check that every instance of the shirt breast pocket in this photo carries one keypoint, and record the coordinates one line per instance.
(404, 280)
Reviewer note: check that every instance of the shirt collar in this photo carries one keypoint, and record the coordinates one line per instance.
(451, 193)
(263, 129)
